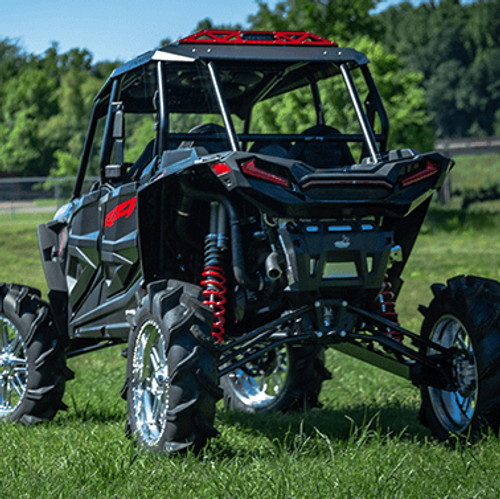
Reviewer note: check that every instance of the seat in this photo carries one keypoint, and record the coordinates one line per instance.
(211, 146)
(322, 154)
(279, 149)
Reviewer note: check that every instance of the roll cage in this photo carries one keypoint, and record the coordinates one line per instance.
(227, 74)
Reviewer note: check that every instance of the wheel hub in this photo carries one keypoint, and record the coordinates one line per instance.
(151, 382)
(466, 376)
(455, 409)
(13, 368)
(260, 383)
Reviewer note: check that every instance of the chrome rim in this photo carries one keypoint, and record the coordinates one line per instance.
(455, 409)
(13, 368)
(150, 383)
(261, 382)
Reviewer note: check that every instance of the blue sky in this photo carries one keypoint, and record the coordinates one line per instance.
(114, 29)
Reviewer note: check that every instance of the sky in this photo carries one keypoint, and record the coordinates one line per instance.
(115, 29)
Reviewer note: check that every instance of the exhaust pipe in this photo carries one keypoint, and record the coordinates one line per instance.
(273, 270)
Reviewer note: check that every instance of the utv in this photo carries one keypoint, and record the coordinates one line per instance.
(247, 216)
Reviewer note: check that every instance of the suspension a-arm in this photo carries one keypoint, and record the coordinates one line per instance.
(363, 342)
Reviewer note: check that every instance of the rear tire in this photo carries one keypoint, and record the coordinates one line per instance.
(33, 368)
(465, 315)
(284, 379)
(172, 370)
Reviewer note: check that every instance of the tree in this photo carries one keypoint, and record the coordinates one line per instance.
(338, 20)
(28, 103)
(351, 24)
(403, 96)
(45, 104)
(66, 129)
(456, 48)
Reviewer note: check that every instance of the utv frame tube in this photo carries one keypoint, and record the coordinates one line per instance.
(163, 112)
(362, 118)
(214, 75)
(108, 130)
(374, 92)
(77, 189)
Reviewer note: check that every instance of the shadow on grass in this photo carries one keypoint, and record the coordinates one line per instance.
(111, 412)
(391, 421)
(451, 220)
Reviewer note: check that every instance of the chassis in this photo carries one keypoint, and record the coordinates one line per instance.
(227, 241)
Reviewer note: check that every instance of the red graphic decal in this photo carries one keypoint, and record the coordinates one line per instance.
(124, 209)
(62, 242)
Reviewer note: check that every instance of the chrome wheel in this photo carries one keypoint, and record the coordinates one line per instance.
(13, 368)
(150, 383)
(455, 409)
(260, 383)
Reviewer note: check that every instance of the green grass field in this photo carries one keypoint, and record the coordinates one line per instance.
(366, 441)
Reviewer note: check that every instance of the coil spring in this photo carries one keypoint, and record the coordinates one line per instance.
(214, 293)
(387, 309)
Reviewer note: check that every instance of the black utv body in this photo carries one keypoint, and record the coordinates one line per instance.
(229, 247)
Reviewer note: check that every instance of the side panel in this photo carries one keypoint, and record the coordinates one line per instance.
(103, 264)
(82, 249)
(52, 240)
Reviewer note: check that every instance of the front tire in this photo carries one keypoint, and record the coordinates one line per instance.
(465, 315)
(172, 370)
(33, 368)
(284, 379)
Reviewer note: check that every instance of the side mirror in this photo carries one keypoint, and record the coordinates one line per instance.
(119, 131)
(118, 123)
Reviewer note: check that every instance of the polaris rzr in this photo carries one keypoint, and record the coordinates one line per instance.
(247, 216)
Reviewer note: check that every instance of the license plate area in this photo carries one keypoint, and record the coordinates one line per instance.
(333, 256)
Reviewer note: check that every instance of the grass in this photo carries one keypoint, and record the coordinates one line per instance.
(475, 180)
(366, 441)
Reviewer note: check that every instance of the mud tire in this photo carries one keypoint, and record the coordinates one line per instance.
(465, 314)
(171, 382)
(33, 370)
(294, 375)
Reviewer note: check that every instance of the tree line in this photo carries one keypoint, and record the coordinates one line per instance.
(437, 67)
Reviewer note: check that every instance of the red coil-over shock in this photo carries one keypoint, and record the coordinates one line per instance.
(214, 293)
(387, 309)
(214, 280)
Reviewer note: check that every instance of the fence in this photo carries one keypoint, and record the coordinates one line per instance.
(473, 145)
(36, 194)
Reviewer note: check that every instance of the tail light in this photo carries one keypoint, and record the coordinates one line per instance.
(251, 169)
(221, 169)
(427, 171)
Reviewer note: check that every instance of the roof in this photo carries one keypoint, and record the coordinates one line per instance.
(239, 45)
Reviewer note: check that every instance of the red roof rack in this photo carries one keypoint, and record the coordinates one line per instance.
(256, 37)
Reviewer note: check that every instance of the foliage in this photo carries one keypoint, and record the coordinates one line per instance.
(353, 26)
(339, 20)
(437, 67)
(45, 103)
(403, 97)
(456, 48)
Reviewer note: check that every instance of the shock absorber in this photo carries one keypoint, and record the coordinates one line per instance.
(387, 310)
(213, 276)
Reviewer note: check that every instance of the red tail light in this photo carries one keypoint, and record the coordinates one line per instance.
(221, 169)
(252, 170)
(429, 170)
